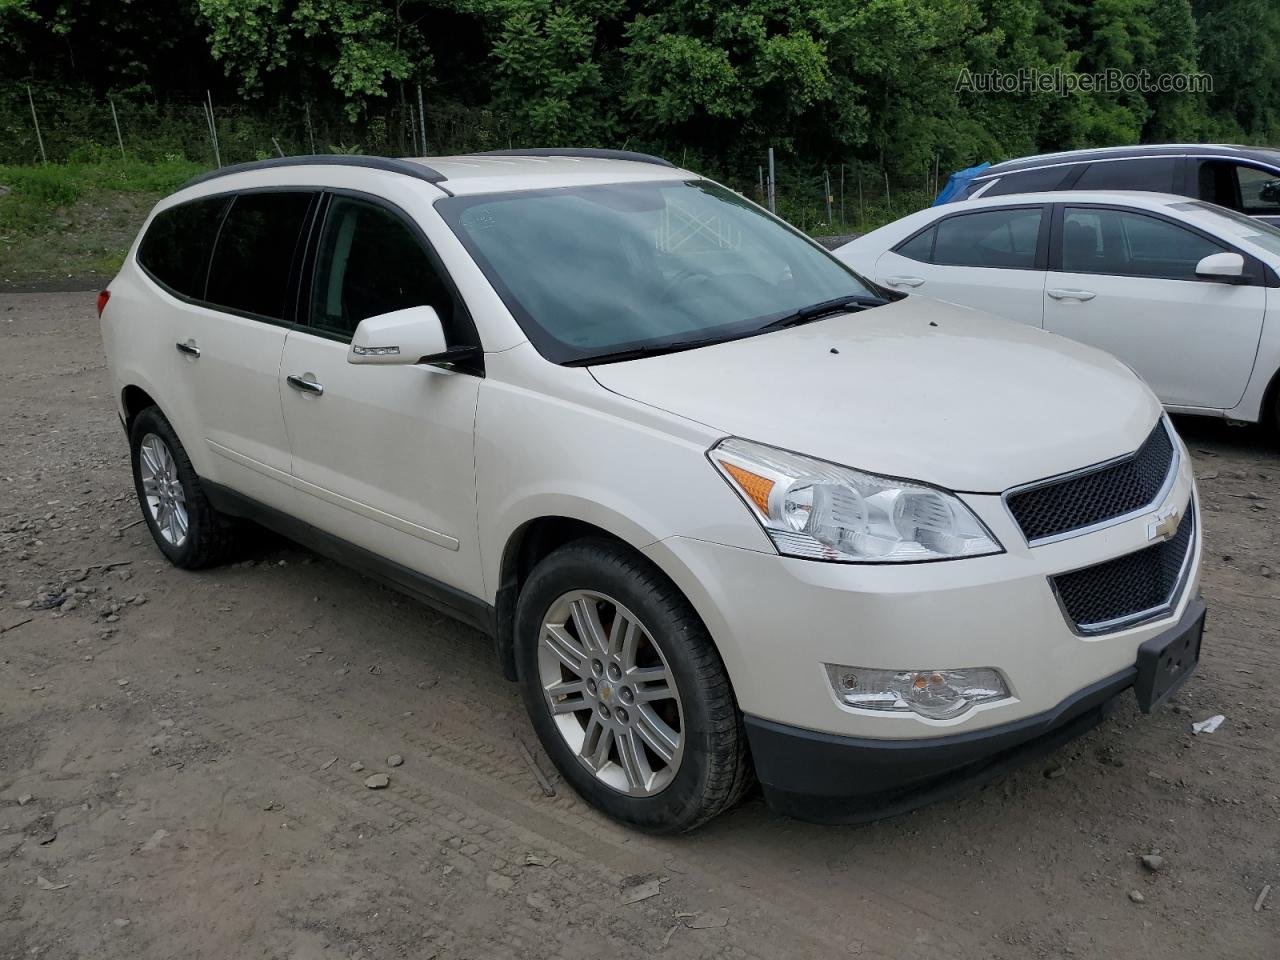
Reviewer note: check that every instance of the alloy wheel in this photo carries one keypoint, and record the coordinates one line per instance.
(162, 489)
(611, 693)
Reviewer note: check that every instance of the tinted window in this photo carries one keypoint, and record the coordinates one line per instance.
(176, 247)
(1259, 190)
(254, 253)
(1153, 175)
(993, 238)
(592, 270)
(919, 247)
(371, 262)
(1130, 244)
(1029, 181)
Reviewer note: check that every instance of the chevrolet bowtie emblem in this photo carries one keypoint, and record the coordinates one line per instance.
(1165, 524)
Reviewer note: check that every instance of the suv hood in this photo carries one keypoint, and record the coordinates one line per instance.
(916, 389)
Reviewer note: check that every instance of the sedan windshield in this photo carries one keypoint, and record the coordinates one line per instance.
(619, 270)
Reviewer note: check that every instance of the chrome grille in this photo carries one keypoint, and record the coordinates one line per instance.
(1106, 492)
(1138, 586)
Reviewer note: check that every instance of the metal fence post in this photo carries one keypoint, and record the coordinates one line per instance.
(213, 130)
(36, 120)
(116, 120)
(773, 186)
(422, 121)
(311, 137)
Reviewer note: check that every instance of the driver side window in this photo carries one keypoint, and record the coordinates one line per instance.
(370, 262)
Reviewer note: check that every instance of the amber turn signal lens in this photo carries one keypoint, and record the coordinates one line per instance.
(756, 487)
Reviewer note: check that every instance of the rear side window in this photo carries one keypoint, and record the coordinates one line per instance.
(919, 247)
(1030, 181)
(254, 254)
(371, 262)
(1153, 174)
(176, 247)
(992, 238)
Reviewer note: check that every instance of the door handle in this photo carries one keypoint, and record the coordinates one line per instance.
(904, 281)
(304, 384)
(1081, 295)
(188, 347)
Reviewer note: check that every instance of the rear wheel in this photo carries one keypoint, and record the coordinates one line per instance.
(626, 691)
(184, 525)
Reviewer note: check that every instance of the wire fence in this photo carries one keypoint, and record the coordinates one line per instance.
(53, 125)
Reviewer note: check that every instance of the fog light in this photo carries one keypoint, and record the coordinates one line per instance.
(936, 694)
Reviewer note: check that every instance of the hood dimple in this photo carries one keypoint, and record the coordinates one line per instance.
(917, 389)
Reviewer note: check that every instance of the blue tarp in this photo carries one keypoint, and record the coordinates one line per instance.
(957, 182)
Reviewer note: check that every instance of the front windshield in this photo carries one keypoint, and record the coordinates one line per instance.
(598, 270)
(1238, 225)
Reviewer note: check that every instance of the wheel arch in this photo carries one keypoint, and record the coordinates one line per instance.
(133, 400)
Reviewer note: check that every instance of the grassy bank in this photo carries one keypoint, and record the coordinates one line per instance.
(76, 220)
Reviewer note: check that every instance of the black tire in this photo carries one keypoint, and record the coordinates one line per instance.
(210, 535)
(715, 769)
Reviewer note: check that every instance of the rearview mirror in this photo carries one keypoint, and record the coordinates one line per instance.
(401, 336)
(1221, 266)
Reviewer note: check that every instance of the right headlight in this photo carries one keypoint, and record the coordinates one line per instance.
(823, 511)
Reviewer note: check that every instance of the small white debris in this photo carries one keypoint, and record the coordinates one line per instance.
(155, 840)
(328, 763)
(1262, 898)
(496, 881)
(1208, 726)
(395, 760)
(533, 860)
(1137, 897)
(635, 889)
(378, 781)
(44, 884)
(356, 766)
(24, 799)
(120, 922)
(708, 919)
(1153, 862)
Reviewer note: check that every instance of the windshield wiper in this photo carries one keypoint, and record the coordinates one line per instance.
(816, 311)
(636, 353)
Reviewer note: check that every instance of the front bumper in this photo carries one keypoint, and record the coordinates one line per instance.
(833, 779)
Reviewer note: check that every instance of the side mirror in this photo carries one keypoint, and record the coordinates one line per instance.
(401, 336)
(1228, 267)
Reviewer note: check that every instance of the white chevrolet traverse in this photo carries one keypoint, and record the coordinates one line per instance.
(727, 510)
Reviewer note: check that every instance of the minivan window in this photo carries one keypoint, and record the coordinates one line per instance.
(595, 270)
(993, 238)
(1130, 244)
(1030, 181)
(253, 257)
(176, 247)
(1151, 174)
(370, 262)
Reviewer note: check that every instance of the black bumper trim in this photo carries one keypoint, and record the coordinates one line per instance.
(827, 778)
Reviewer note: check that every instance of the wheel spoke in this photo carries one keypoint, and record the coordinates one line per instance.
(568, 696)
(559, 641)
(596, 743)
(586, 620)
(634, 763)
(147, 454)
(650, 683)
(150, 487)
(655, 731)
(180, 518)
(622, 639)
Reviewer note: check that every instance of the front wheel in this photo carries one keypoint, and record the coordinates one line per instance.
(626, 690)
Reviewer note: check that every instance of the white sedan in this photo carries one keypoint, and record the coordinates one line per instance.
(1181, 290)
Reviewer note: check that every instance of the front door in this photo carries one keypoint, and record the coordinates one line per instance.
(1125, 281)
(382, 455)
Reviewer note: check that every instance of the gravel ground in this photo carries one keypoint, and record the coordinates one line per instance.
(183, 762)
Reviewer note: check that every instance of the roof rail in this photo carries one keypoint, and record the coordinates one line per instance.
(591, 153)
(409, 168)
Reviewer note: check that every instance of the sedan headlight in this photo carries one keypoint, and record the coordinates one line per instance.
(822, 511)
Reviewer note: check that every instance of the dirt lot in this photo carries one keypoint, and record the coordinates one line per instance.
(176, 756)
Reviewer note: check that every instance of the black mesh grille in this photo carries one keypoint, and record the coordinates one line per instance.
(1060, 506)
(1127, 585)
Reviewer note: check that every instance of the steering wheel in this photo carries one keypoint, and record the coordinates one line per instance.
(680, 279)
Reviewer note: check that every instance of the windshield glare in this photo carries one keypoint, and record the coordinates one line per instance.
(594, 270)
(1239, 225)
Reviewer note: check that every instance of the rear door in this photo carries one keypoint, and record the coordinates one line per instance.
(228, 339)
(1125, 281)
(382, 455)
(991, 259)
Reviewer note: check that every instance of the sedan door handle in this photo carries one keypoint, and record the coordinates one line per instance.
(904, 281)
(305, 385)
(1081, 295)
(188, 347)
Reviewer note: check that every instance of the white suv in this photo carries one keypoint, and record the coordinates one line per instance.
(654, 442)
